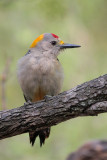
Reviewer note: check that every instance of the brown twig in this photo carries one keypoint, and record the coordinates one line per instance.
(93, 150)
(4, 79)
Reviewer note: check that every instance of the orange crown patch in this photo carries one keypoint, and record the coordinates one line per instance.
(36, 41)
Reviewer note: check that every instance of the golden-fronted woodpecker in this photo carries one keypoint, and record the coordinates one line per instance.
(40, 73)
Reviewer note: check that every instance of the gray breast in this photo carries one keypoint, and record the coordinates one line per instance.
(39, 73)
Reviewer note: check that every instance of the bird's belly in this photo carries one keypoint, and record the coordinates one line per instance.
(40, 79)
(48, 83)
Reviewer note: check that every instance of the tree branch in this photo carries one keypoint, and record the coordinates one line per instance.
(93, 150)
(88, 99)
(4, 78)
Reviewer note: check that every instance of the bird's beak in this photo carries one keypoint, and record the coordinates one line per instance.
(67, 45)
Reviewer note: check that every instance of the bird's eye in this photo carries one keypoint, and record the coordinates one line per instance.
(53, 43)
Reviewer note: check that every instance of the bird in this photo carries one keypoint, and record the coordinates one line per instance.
(41, 74)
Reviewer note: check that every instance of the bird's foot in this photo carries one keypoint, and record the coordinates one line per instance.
(28, 103)
(47, 97)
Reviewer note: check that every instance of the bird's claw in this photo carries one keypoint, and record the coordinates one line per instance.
(28, 103)
(47, 97)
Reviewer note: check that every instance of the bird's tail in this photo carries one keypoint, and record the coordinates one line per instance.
(43, 134)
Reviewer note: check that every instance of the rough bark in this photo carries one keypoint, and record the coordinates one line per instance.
(88, 99)
(92, 150)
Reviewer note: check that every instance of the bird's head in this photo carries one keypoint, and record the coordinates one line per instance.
(49, 43)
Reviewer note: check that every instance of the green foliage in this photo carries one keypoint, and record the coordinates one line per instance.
(80, 22)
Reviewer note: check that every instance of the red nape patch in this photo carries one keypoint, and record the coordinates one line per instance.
(55, 36)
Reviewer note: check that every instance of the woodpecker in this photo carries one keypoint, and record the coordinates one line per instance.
(40, 73)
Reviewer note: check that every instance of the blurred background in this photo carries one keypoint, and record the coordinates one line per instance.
(74, 21)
